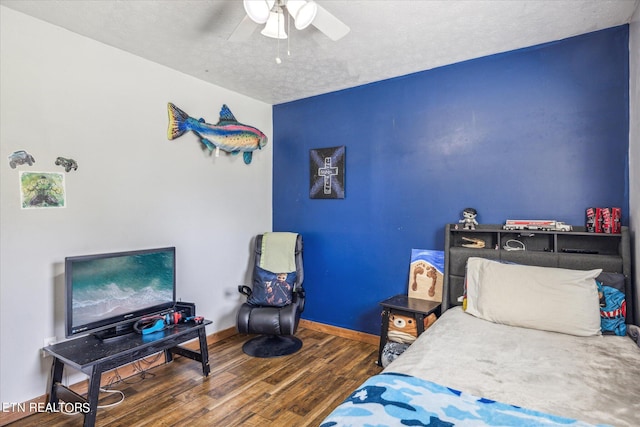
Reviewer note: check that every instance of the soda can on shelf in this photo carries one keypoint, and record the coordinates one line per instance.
(590, 221)
(598, 220)
(616, 217)
(606, 220)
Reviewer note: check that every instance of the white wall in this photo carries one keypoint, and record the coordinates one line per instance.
(65, 95)
(634, 148)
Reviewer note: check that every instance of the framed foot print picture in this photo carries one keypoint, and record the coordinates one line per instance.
(326, 173)
(426, 277)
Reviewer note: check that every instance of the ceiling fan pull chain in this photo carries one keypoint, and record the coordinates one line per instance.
(289, 33)
(278, 60)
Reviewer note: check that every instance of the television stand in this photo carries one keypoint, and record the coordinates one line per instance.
(93, 356)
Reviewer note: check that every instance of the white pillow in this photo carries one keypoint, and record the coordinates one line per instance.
(550, 299)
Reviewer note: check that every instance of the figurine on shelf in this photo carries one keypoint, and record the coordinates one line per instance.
(469, 218)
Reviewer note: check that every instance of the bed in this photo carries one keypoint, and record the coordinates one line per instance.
(524, 350)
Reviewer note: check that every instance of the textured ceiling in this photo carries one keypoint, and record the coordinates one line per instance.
(387, 38)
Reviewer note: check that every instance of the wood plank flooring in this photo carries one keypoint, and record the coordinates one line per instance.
(297, 390)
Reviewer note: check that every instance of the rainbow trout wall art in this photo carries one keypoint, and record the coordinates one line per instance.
(228, 134)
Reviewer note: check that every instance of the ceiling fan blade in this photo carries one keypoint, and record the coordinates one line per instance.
(331, 26)
(244, 30)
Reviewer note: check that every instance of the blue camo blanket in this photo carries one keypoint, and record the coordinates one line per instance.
(391, 399)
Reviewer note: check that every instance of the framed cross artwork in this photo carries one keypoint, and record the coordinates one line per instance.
(326, 173)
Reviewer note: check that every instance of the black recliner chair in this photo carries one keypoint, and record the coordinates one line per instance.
(267, 312)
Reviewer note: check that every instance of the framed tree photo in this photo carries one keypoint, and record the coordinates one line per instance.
(326, 174)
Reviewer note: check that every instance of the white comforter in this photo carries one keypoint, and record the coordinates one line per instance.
(593, 379)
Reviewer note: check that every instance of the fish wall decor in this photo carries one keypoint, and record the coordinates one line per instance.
(228, 134)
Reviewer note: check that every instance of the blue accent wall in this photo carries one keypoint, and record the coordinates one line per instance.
(537, 133)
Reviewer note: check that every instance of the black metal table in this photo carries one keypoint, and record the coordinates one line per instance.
(93, 357)
(413, 307)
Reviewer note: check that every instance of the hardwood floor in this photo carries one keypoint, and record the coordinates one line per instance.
(297, 390)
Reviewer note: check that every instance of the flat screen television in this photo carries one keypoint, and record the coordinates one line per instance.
(106, 293)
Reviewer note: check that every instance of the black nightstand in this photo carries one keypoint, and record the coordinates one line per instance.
(402, 304)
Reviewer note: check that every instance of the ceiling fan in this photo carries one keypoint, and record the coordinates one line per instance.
(272, 14)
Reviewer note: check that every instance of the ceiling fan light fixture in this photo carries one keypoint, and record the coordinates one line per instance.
(258, 10)
(303, 12)
(275, 26)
